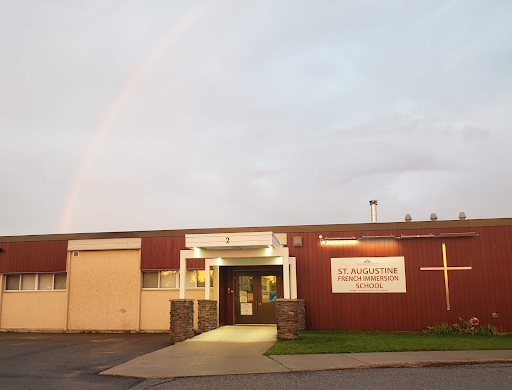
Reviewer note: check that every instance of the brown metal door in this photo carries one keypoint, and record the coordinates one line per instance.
(255, 296)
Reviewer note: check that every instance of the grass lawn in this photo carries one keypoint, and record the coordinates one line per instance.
(343, 341)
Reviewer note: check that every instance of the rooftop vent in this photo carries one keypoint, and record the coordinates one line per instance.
(462, 215)
(433, 217)
(408, 218)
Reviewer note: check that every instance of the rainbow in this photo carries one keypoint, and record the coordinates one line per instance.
(117, 105)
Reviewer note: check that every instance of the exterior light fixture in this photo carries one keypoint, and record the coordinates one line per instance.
(440, 235)
(376, 237)
(418, 236)
(338, 238)
(464, 234)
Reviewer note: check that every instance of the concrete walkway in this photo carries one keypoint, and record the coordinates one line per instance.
(239, 350)
(224, 351)
(390, 359)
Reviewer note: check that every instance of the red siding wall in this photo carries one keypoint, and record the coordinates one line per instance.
(35, 256)
(477, 292)
(164, 253)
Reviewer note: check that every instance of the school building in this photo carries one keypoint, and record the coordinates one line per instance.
(380, 276)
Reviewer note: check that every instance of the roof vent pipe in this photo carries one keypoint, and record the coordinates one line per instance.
(433, 217)
(373, 205)
(462, 215)
(408, 218)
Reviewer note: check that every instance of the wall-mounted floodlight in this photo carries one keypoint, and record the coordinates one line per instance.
(337, 240)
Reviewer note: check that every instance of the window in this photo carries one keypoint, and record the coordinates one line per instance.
(28, 281)
(45, 282)
(35, 282)
(191, 279)
(171, 279)
(160, 279)
(168, 279)
(59, 282)
(195, 278)
(13, 282)
(150, 279)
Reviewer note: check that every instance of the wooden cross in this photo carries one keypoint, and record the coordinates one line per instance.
(445, 268)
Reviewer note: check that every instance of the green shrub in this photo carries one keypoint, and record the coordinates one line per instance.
(488, 330)
(443, 328)
(471, 327)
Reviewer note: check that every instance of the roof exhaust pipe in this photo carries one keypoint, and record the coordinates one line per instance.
(373, 205)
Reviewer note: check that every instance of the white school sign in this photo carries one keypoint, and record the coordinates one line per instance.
(368, 275)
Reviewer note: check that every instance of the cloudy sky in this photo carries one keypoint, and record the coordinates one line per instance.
(145, 115)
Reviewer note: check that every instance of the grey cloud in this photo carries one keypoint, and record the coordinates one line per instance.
(400, 123)
(258, 113)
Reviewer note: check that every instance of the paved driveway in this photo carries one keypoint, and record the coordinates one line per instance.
(70, 361)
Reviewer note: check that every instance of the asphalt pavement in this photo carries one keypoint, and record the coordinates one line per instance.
(73, 361)
(465, 377)
(70, 361)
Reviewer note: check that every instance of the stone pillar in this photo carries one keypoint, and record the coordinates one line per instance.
(302, 314)
(287, 311)
(207, 315)
(182, 320)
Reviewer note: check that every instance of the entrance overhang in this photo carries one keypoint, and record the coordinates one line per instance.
(243, 249)
(216, 241)
(255, 262)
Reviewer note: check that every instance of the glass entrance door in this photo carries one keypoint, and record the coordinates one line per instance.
(267, 299)
(255, 296)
